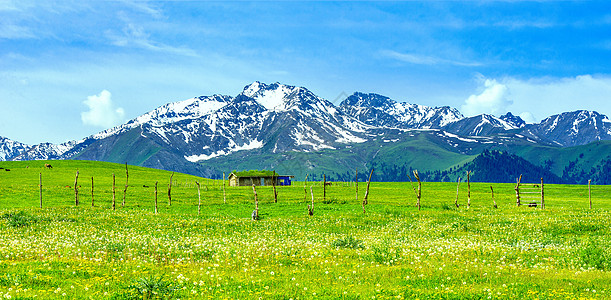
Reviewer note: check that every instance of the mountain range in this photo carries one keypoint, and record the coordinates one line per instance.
(292, 130)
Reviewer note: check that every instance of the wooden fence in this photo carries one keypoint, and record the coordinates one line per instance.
(530, 193)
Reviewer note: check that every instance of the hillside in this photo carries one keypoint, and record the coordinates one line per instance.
(21, 183)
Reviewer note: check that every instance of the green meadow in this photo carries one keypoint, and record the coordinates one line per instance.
(390, 251)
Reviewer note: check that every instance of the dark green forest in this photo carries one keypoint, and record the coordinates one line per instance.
(489, 166)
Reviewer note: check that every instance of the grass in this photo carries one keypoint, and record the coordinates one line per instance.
(391, 251)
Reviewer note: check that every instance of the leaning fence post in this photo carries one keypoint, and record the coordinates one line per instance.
(518, 180)
(170, 190)
(305, 197)
(126, 180)
(224, 197)
(91, 191)
(493, 202)
(40, 188)
(367, 191)
(76, 189)
(311, 208)
(457, 186)
(274, 187)
(199, 198)
(155, 197)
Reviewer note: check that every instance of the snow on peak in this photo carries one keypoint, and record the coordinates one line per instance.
(273, 96)
(10, 148)
(382, 111)
(251, 89)
(193, 108)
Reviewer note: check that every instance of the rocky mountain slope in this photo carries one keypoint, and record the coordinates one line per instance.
(274, 120)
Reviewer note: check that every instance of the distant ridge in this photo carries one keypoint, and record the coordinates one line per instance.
(269, 125)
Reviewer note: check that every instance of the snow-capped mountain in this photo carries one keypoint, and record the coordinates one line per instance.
(572, 128)
(381, 111)
(270, 119)
(275, 117)
(47, 151)
(484, 125)
(10, 149)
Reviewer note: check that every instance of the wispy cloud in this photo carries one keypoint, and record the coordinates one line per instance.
(523, 24)
(12, 31)
(426, 60)
(135, 36)
(144, 7)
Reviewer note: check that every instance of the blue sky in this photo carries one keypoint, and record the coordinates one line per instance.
(69, 69)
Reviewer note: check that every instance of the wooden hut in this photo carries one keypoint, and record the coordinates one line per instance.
(258, 178)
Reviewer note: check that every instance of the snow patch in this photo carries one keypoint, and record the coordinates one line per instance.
(250, 146)
(459, 138)
(273, 99)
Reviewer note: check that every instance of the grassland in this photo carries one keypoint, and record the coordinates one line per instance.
(393, 251)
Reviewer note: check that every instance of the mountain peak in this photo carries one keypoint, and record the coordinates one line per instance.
(513, 120)
(368, 100)
(279, 97)
(378, 110)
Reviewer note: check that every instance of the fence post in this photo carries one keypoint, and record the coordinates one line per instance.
(457, 186)
(419, 194)
(155, 197)
(126, 181)
(365, 202)
(76, 189)
(91, 191)
(493, 202)
(324, 188)
(517, 188)
(224, 196)
(305, 192)
(170, 190)
(199, 198)
(311, 208)
(274, 187)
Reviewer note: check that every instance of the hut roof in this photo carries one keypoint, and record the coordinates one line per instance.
(255, 173)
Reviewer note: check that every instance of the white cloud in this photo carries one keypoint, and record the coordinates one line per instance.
(492, 100)
(548, 96)
(102, 112)
(538, 98)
